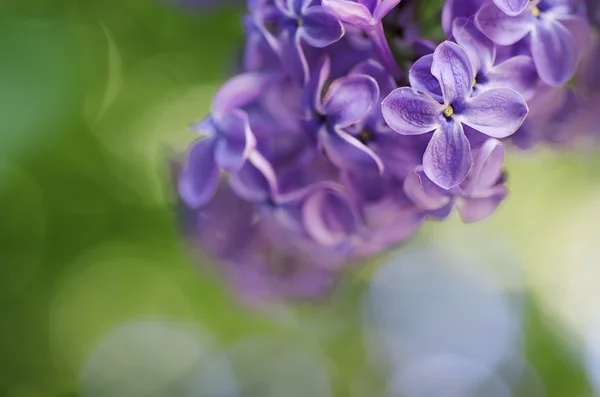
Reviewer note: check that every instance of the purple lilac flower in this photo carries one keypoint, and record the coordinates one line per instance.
(312, 158)
(348, 101)
(229, 139)
(551, 28)
(475, 198)
(297, 22)
(367, 15)
(453, 9)
(498, 113)
(517, 72)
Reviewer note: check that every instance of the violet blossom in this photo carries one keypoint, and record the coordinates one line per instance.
(367, 15)
(551, 27)
(313, 159)
(498, 113)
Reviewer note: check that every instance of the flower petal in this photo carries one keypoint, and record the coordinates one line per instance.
(477, 209)
(452, 67)
(320, 28)
(235, 142)
(384, 7)
(501, 28)
(497, 113)
(554, 51)
(298, 7)
(580, 29)
(518, 73)
(374, 69)
(487, 168)
(350, 99)
(511, 7)
(453, 9)
(313, 91)
(329, 218)
(293, 57)
(420, 77)
(256, 180)
(423, 192)
(480, 49)
(349, 12)
(198, 180)
(370, 4)
(239, 91)
(409, 111)
(447, 159)
(347, 152)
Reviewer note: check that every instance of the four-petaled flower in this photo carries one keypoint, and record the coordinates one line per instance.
(518, 72)
(348, 101)
(229, 140)
(497, 113)
(367, 15)
(556, 35)
(475, 199)
(299, 22)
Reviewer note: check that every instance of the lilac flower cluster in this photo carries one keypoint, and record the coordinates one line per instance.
(345, 129)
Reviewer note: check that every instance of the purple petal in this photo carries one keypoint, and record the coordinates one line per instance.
(298, 7)
(452, 67)
(222, 227)
(205, 127)
(480, 49)
(350, 99)
(329, 218)
(374, 69)
(580, 29)
(477, 209)
(501, 28)
(518, 73)
(511, 7)
(423, 192)
(320, 28)
(487, 167)
(365, 187)
(384, 8)
(420, 78)
(198, 180)
(239, 91)
(422, 47)
(448, 156)
(497, 113)
(235, 142)
(349, 12)
(313, 92)
(554, 51)
(370, 4)
(347, 152)
(293, 57)
(457, 9)
(409, 111)
(256, 180)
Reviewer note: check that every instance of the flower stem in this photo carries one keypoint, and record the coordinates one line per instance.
(383, 52)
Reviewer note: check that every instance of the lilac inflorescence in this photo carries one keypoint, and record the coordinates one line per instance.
(346, 129)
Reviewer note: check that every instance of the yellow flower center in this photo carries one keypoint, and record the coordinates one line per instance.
(300, 22)
(535, 12)
(474, 82)
(364, 137)
(449, 111)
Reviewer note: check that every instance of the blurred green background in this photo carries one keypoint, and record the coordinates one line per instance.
(96, 95)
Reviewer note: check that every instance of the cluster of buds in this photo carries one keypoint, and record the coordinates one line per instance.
(346, 129)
